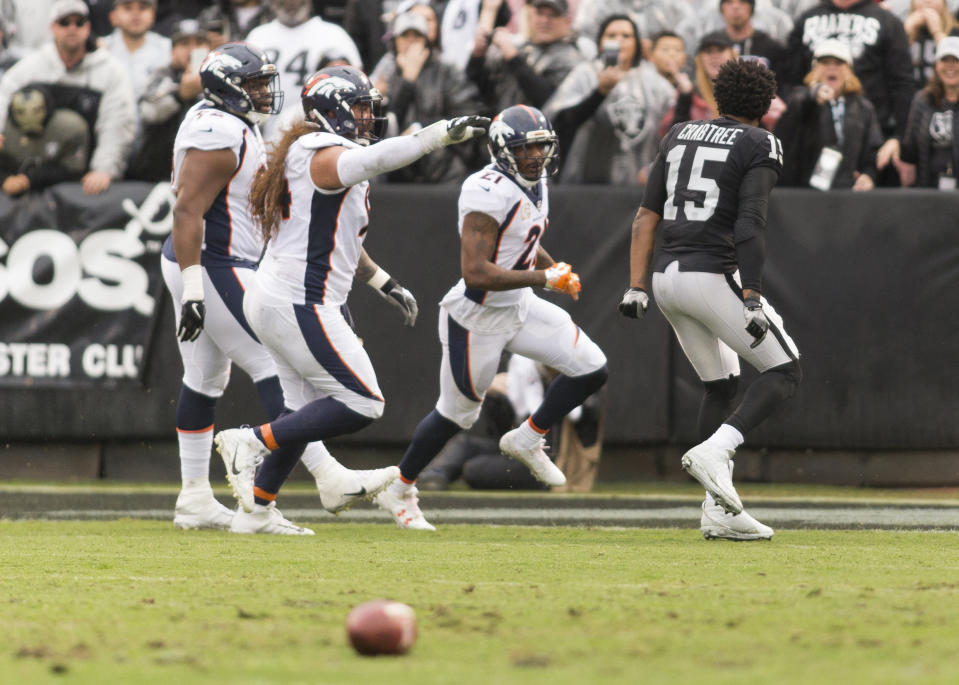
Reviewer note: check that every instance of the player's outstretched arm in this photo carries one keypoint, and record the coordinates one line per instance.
(338, 167)
(202, 176)
(374, 276)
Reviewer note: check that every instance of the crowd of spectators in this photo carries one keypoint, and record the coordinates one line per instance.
(94, 90)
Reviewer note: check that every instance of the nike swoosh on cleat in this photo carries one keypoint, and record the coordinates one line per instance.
(233, 465)
(358, 493)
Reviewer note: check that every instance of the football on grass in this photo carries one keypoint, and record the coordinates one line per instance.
(381, 626)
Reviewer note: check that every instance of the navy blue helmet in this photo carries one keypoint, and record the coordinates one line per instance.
(239, 78)
(511, 131)
(328, 99)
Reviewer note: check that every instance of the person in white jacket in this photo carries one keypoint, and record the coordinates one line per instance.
(94, 83)
(299, 43)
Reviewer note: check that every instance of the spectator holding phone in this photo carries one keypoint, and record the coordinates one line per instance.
(930, 148)
(170, 94)
(607, 111)
(830, 131)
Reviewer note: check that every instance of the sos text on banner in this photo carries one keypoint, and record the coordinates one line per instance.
(80, 283)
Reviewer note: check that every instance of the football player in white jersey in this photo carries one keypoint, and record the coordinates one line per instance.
(217, 153)
(503, 214)
(313, 206)
(299, 44)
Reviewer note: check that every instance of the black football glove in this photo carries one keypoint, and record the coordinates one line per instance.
(402, 299)
(757, 325)
(192, 313)
(635, 303)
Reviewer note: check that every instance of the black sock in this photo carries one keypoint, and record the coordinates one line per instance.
(319, 420)
(764, 395)
(565, 394)
(271, 395)
(194, 411)
(274, 471)
(717, 402)
(430, 436)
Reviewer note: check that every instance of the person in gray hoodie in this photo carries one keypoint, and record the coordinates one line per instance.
(607, 114)
(93, 83)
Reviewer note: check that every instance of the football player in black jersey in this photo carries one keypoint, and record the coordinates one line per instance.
(708, 192)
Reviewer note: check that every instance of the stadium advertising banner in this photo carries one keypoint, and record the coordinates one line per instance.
(80, 283)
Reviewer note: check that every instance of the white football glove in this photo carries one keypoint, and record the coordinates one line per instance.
(461, 129)
(634, 304)
(757, 325)
(402, 299)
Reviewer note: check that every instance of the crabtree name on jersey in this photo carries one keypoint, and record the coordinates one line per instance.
(709, 133)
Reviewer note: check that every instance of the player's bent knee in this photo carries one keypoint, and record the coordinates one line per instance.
(365, 406)
(461, 412)
(213, 386)
(724, 389)
(791, 373)
(376, 409)
(587, 358)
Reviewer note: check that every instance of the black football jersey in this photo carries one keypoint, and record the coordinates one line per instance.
(694, 185)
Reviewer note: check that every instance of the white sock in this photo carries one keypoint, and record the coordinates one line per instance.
(528, 436)
(319, 462)
(726, 437)
(400, 488)
(195, 449)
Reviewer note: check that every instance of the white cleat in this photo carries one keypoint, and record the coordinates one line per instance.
(405, 509)
(534, 457)
(242, 452)
(349, 487)
(710, 466)
(197, 508)
(266, 520)
(717, 524)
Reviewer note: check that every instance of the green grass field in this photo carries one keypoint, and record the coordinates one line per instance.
(138, 602)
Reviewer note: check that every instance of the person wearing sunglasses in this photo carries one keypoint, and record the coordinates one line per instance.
(94, 84)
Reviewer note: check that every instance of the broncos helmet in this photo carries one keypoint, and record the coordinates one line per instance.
(515, 128)
(329, 96)
(228, 74)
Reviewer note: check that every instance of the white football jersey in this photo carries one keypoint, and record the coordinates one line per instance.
(298, 52)
(228, 227)
(522, 218)
(314, 255)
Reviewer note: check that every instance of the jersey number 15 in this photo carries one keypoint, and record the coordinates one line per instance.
(699, 179)
(693, 211)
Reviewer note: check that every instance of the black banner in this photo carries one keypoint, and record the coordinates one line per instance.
(865, 282)
(80, 283)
